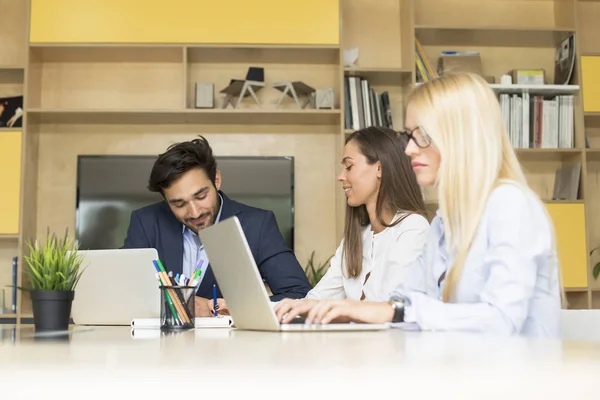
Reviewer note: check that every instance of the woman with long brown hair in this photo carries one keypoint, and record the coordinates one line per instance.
(385, 228)
(490, 264)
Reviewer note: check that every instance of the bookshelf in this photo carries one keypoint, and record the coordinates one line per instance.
(127, 92)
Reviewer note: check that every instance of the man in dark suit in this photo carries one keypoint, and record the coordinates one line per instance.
(187, 177)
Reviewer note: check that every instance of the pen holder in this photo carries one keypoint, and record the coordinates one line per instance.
(177, 307)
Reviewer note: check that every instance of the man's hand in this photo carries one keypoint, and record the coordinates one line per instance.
(221, 307)
(201, 307)
(326, 311)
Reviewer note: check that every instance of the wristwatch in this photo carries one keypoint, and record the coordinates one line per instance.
(398, 303)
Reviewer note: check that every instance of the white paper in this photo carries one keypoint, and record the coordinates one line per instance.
(223, 321)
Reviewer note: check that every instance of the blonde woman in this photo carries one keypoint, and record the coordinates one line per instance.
(490, 262)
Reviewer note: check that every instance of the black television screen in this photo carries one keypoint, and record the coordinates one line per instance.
(110, 187)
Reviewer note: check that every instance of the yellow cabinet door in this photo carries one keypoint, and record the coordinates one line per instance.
(590, 74)
(569, 225)
(306, 22)
(10, 190)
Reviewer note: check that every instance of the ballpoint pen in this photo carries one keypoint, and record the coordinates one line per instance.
(215, 300)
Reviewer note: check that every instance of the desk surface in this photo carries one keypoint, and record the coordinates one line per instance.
(430, 364)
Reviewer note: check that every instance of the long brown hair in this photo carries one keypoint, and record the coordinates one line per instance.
(399, 191)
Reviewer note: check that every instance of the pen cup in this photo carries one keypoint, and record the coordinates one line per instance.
(177, 307)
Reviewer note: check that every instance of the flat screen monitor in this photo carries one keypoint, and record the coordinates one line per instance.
(110, 187)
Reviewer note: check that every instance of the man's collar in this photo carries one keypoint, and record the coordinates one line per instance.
(216, 219)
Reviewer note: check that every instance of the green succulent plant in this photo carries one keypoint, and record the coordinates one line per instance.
(314, 270)
(596, 269)
(54, 265)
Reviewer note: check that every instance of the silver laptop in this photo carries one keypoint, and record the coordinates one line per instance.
(116, 287)
(243, 289)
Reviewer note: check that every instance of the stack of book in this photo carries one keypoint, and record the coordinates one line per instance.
(537, 121)
(364, 106)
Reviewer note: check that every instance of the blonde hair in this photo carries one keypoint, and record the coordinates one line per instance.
(461, 114)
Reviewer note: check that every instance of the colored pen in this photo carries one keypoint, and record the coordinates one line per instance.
(215, 300)
(167, 295)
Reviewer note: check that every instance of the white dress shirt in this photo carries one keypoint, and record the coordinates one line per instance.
(386, 255)
(194, 252)
(510, 280)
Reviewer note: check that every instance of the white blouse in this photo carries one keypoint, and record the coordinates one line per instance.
(386, 255)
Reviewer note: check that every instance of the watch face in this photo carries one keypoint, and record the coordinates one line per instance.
(400, 299)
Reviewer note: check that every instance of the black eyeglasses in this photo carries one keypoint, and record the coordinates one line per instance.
(421, 139)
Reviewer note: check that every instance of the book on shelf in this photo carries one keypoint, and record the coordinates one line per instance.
(425, 71)
(566, 182)
(538, 122)
(364, 106)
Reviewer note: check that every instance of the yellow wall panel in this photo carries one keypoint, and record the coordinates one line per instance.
(185, 21)
(10, 190)
(590, 71)
(569, 224)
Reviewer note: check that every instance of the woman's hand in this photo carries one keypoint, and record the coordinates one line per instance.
(327, 311)
(288, 309)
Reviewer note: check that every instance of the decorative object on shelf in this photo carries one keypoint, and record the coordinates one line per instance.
(451, 62)
(295, 90)
(350, 57)
(596, 268)
(564, 61)
(53, 269)
(11, 111)
(204, 95)
(324, 98)
(240, 88)
(566, 182)
(528, 76)
(315, 272)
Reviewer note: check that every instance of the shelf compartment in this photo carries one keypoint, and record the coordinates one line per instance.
(84, 77)
(529, 15)
(593, 155)
(592, 130)
(569, 226)
(491, 36)
(11, 82)
(588, 14)
(184, 21)
(391, 47)
(540, 167)
(200, 116)
(592, 191)
(13, 31)
(382, 76)
(218, 66)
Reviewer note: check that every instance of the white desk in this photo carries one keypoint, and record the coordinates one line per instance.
(107, 361)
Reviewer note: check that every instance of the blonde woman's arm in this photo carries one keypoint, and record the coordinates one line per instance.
(518, 238)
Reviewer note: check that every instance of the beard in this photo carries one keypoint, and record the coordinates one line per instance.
(207, 218)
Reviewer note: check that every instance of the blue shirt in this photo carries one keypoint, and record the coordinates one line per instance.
(193, 250)
(510, 283)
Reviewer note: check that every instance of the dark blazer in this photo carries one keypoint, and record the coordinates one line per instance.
(155, 226)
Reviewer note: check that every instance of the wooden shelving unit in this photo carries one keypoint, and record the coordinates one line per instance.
(138, 98)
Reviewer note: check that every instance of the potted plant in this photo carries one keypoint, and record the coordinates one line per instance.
(314, 272)
(596, 269)
(53, 269)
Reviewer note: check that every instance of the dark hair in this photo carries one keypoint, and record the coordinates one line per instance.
(398, 191)
(179, 159)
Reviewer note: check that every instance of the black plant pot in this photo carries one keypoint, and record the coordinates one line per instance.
(51, 309)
